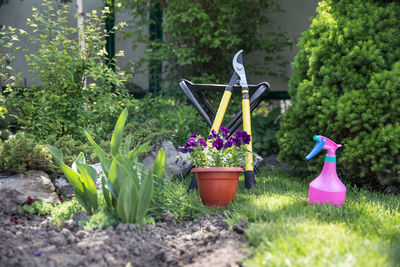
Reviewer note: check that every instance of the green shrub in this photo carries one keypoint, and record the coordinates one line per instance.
(71, 148)
(149, 132)
(171, 114)
(345, 87)
(23, 153)
(57, 104)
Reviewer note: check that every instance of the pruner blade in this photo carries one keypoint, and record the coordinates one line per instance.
(239, 68)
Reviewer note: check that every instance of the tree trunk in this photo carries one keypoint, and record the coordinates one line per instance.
(81, 34)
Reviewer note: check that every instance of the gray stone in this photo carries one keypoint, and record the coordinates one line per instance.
(174, 160)
(81, 234)
(65, 232)
(65, 187)
(257, 159)
(14, 191)
(69, 224)
(99, 170)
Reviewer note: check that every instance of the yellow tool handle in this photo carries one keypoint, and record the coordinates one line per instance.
(223, 105)
(247, 128)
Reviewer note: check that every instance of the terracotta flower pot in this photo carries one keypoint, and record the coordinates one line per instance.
(217, 185)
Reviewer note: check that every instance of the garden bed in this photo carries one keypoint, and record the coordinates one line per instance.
(34, 241)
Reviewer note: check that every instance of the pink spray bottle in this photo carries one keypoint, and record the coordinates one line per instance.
(327, 187)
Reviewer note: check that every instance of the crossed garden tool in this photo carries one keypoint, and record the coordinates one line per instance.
(238, 79)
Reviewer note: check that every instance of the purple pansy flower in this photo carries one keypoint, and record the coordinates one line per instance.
(218, 143)
(192, 142)
(246, 138)
(203, 142)
(228, 143)
(224, 131)
(237, 141)
(213, 134)
(194, 135)
(185, 149)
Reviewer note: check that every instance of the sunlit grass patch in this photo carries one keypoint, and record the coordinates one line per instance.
(284, 230)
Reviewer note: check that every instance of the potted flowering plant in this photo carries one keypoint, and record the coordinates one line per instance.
(217, 163)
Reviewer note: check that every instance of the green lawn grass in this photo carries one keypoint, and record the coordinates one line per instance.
(284, 230)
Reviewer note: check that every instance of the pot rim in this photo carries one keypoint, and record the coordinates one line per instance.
(218, 169)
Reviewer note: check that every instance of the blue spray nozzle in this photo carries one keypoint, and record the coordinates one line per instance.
(318, 146)
(316, 138)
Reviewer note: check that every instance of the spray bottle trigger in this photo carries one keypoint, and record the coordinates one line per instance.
(317, 148)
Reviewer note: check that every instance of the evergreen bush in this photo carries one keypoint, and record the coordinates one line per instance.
(345, 87)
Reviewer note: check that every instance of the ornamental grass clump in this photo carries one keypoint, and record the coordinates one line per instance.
(219, 150)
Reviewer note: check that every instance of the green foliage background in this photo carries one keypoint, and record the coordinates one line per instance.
(201, 37)
(346, 87)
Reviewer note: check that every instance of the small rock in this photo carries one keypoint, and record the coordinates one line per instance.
(211, 228)
(122, 227)
(109, 259)
(81, 234)
(69, 224)
(48, 249)
(197, 235)
(136, 252)
(65, 232)
(110, 230)
(160, 255)
(168, 218)
(174, 160)
(241, 226)
(59, 241)
(44, 224)
(70, 239)
(65, 187)
(132, 227)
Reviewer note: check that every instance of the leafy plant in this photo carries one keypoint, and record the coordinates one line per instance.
(8, 74)
(82, 177)
(57, 105)
(39, 207)
(127, 186)
(345, 86)
(8, 122)
(220, 150)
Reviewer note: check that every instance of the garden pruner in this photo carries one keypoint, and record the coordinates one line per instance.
(239, 75)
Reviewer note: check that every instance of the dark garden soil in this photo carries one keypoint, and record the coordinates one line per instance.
(34, 241)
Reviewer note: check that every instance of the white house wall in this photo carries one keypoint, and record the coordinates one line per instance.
(15, 13)
(294, 21)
